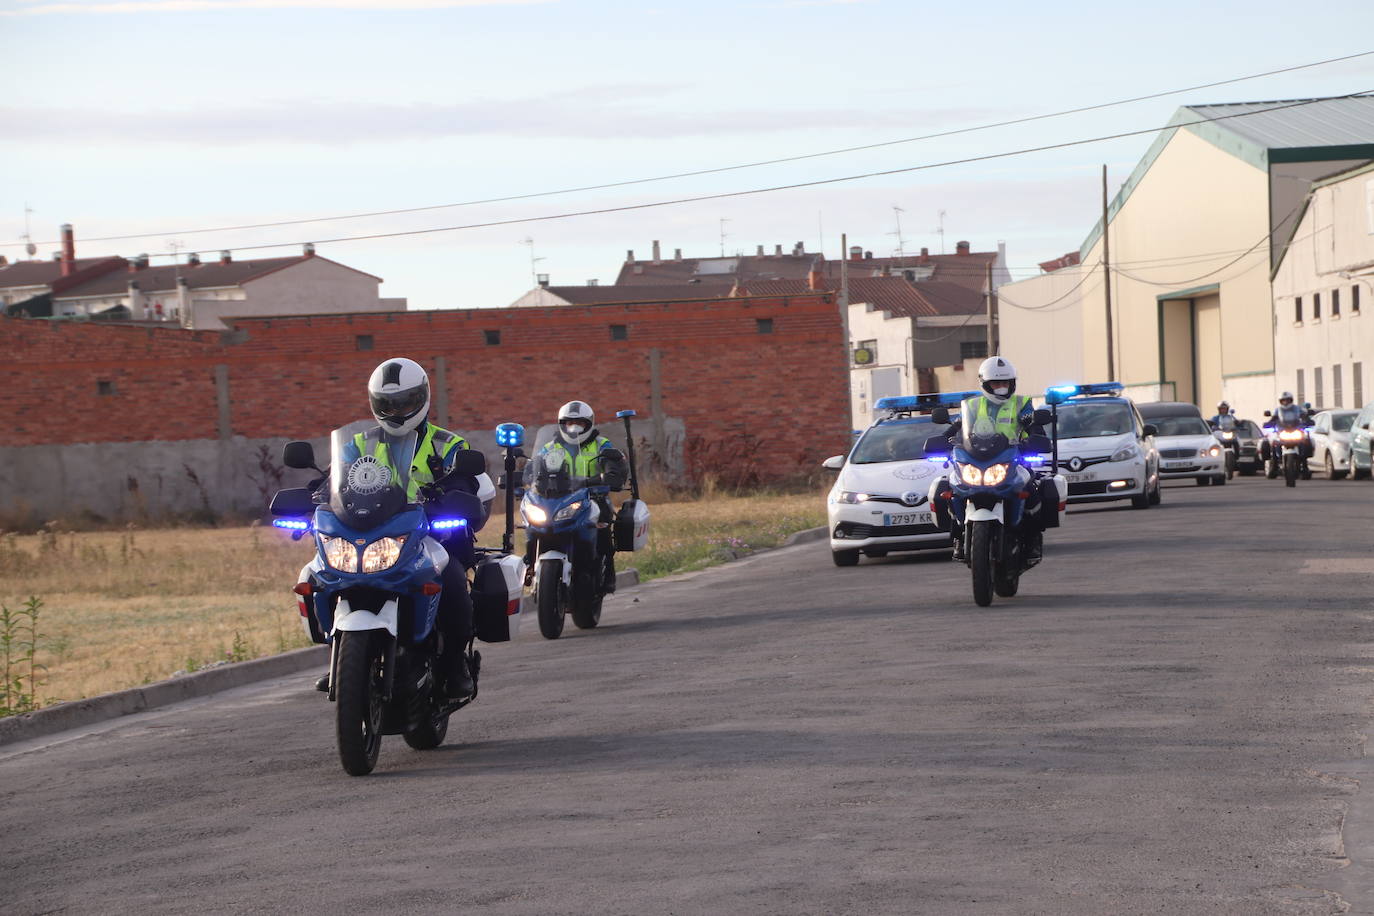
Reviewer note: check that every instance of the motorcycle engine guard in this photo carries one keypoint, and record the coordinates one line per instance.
(995, 514)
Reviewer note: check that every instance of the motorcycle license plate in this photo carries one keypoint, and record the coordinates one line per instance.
(909, 518)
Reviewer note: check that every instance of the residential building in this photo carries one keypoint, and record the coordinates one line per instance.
(1323, 293)
(27, 287)
(1194, 233)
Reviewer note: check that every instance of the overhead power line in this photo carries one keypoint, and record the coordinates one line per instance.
(729, 168)
(625, 208)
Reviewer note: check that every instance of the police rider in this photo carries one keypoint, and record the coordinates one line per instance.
(1290, 414)
(999, 409)
(587, 453)
(417, 453)
(1224, 419)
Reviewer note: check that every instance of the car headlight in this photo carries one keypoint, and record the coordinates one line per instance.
(535, 515)
(971, 475)
(1126, 452)
(994, 475)
(1214, 451)
(340, 554)
(382, 554)
(851, 497)
(567, 512)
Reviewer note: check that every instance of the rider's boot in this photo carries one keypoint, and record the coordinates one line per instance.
(458, 683)
(1035, 545)
(322, 685)
(608, 576)
(959, 550)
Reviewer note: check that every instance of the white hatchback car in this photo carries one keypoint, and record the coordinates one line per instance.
(1106, 451)
(1188, 448)
(1331, 441)
(880, 501)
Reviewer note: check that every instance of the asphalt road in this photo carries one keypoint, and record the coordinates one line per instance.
(1170, 718)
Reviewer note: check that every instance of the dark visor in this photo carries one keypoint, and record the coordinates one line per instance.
(399, 405)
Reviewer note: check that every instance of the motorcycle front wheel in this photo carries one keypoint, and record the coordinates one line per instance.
(358, 702)
(586, 610)
(1290, 470)
(551, 600)
(980, 561)
(430, 733)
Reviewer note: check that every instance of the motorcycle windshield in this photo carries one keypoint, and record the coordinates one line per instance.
(363, 492)
(982, 441)
(550, 474)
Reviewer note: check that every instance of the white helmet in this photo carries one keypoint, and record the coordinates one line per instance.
(998, 377)
(1285, 396)
(399, 392)
(576, 422)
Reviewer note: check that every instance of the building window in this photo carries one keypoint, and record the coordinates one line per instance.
(493, 338)
(765, 325)
(1335, 302)
(1316, 308)
(620, 332)
(973, 349)
(1316, 388)
(1355, 298)
(1302, 388)
(1297, 309)
(364, 341)
(1336, 392)
(104, 388)
(1357, 382)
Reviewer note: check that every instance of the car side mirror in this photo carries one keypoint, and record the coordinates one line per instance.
(1151, 429)
(833, 463)
(1268, 413)
(1042, 417)
(939, 415)
(298, 455)
(469, 462)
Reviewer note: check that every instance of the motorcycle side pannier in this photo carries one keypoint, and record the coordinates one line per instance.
(632, 525)
(497, 591)
(1050, 500)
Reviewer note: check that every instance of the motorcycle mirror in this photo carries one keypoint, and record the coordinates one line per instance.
(298, 455)
(939, 415)
(1268, 413)
(1043, 417)
(614, 454)
(469, 462)
(1151, 429)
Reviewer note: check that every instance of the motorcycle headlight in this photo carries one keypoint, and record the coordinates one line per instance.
(994, 475)
(1228, 436)
(851, 497)
(340, 554)
(1126, 453)
(567, 512)
(382, 554)
(535, 515)
(971, 475)
(1290, 435)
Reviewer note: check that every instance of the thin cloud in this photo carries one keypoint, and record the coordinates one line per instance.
(196, 6)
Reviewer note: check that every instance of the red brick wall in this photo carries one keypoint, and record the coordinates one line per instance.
(303, 376)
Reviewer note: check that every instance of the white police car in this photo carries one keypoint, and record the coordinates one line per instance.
(880, 499)
(1106, 450)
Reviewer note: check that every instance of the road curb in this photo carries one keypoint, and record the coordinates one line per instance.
(91, 710)
(807, 536)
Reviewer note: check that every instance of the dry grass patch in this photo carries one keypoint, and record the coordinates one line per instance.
(124, 608)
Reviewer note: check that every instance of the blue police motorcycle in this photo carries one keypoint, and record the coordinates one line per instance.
(985, 494)
(372, 591)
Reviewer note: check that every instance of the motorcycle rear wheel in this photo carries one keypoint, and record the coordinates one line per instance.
(358, 702)
(552, 605)
(430, 733)
(980, 562)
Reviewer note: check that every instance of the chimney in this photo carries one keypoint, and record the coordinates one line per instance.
(657, 259)
(225, 257)
(925, 255)
(759, 253)
(856, 253)
(801, 248)
(68, 250)
(777, 251)
(543, 280)
(961, 247)
(193, 259)
(816, 278)
(630, 254)
(138, 309)
(868, 255)
(677, 254)
(309, 249)
(593, 282)
(57, 257)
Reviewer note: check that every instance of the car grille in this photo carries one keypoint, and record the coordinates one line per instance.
(1086, 462)
(1186, 469)
(1178, 453)
(897, 500)
(858, 531)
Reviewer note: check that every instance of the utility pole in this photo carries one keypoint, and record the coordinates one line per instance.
(843, 299)
(994, 338)
(1107, 282)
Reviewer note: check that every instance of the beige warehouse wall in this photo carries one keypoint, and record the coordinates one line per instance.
(1041, 327)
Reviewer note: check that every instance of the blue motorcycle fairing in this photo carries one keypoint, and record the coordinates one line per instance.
(405, 578)
(582, 522)
(1006, 491)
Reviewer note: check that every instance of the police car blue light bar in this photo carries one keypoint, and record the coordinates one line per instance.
(1058, 394)
(448, 524)
(510, 435)
(912, 402)
(290, 524)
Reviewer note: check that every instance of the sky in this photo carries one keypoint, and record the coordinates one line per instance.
(159, 118)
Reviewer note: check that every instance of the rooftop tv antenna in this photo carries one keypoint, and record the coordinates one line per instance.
(29, 246)
(723, 235)
(901, 242)
(941, 230)
(534, 262)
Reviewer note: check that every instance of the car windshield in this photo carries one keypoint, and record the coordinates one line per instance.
(1085, 420)
(1179, 426)
(894, 442)
(1341, 422)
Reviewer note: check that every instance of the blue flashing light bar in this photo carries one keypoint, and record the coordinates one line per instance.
(908, 403)
(1058, 394)
(448, 524)
(291, 524)
(510, 435)
(625, 413)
